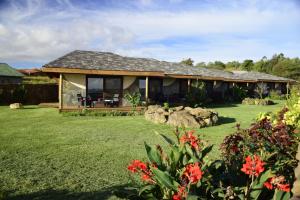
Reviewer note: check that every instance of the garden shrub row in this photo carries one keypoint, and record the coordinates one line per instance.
(256, 101)
(256, 163)
(111, 113)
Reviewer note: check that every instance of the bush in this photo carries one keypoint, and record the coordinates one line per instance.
(85, 112)
(274, 95)
(179, 173)
(134, 99)
(197, 95)
(292, 116)
(252, 101)
(256, 163)
(275, 143)
(238, 93)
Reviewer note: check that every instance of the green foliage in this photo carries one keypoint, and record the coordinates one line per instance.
(134, 99)
(166, 106)
(197, 95)
(274, 95)
(292, 116)
(184, 166)
(278, 65)
(293, 96)
(188, 61)
(85, 112)
(255, 101)
(275, 142)
(239, 93)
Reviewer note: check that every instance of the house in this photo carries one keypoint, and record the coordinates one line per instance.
(99, 77)
(9, 75)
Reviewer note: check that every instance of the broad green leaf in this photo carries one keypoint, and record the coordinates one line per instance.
(258, 184)
(191, 153)
(165, 179)
(146, 188)
(153, 154)
(192, 197)
(167, 139)
(281, 195)
(205, 151)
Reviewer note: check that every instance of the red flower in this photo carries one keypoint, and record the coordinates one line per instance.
(188, 137)
(277, 182)
(136, 165)
(253, 166)
(181, 194)
(193, 173)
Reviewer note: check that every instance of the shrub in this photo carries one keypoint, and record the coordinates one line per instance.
(197, 95)
(238, 93)
(292, 116)
(179, 173)
(256, 163)
(276, 144)
(134, 99)
(293, 96)
(85, 112)
(252, 101)
(274, 95)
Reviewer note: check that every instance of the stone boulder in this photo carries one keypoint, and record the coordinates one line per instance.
(15, 106)
(182, 116)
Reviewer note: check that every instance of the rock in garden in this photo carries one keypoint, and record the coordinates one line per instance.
(15, 106)
(182, 117)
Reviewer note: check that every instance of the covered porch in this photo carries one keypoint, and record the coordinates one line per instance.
(106, 92)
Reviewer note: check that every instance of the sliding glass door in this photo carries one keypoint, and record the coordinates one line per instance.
(101, 87)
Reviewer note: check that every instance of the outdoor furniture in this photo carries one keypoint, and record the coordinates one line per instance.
(84, 101)
(113, 101)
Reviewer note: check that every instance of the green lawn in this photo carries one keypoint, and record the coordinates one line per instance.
(44, 155)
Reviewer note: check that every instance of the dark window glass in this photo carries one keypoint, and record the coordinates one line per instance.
(112, 83)
(142, 88)
(95, 87)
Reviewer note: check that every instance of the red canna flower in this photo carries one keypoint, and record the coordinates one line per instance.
(253, 166)
(193, 173)
(277, 182)
(181, 194)
(137, 165)
(188, 137)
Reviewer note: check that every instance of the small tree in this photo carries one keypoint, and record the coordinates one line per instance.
(134, 99)
(188, 61)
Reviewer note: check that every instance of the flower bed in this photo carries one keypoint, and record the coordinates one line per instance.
(256, 163)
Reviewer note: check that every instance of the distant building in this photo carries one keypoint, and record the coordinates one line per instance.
(9, 75)
(31, 72)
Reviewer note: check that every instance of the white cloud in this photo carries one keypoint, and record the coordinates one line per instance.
(40, 33)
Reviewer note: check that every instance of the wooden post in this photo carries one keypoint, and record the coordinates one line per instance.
(215, 83)
(247, 84)
(287, 88)
(189, 85)
(147, 90)
(60, 92)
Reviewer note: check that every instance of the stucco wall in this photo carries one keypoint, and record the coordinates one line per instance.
(73, 84)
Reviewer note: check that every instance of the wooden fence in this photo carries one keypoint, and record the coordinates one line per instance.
(32, 94)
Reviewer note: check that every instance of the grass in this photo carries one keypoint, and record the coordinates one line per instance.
(45, 155)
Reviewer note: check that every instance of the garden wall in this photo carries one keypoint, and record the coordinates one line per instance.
(28, 93)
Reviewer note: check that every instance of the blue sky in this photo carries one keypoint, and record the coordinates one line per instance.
(34, 32)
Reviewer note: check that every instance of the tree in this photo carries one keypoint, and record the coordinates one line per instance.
(233, 65)
(216, 65)
(247, 65)
(188, 61)
(201, 64)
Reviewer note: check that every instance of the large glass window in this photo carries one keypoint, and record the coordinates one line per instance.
(95, 87)
(142, 87)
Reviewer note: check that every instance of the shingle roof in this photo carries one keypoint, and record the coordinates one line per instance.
(110, 61)
(6, 70)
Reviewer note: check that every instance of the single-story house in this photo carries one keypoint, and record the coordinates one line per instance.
(102, 77)
(9, 75)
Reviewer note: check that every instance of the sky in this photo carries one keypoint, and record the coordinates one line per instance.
(35, 32)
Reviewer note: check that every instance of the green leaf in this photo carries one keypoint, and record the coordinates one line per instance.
(165, 179)
(191, 153)
(258, 184)
(153, 154)
(192, 197)
(281, 195)
(205, 151)
(146, 188)
(168, 140)
(174, 156)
